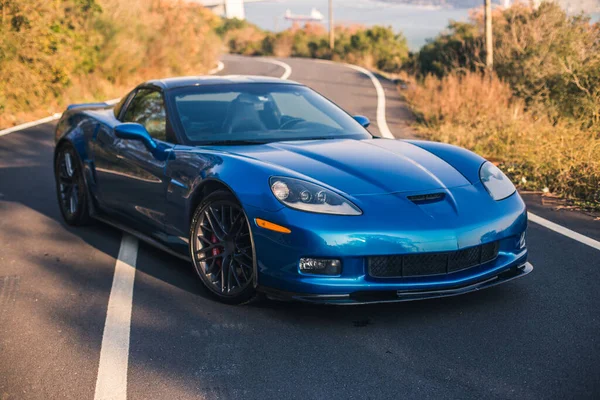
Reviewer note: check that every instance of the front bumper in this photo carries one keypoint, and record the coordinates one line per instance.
(387, 296)
(390, 225)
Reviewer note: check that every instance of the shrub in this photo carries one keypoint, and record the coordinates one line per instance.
(242, 37)
(376, 47)
(460, 48)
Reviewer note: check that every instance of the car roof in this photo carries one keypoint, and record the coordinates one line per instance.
(183, 81)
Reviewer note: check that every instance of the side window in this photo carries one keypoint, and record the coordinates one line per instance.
(147, 108)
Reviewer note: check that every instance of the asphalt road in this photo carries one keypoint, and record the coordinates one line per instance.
(536, 337)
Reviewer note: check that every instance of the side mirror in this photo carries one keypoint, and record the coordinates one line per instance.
(134, 131)
(364, 121)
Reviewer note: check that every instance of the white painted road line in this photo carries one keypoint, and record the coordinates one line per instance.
(564, 231)
(381, 120)
(114, 352)
(43, 120)
(30, 124)
(286, 67)
(218, 68)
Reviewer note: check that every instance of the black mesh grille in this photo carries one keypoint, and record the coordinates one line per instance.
(385, 266)
(424, 264)
(489, 252)
(431, 263)
(464, 258)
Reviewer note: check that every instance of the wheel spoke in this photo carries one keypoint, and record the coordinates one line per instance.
(211, 247)
(243, 272)
(211, 268)
(210, 257)
(243, 263)
(232, 268)
(212, 225)
(62, 177)
(69, 165)
(205, 240)
(229, 274)
(237, 219)
(247, 256)
(73, 201)
(63, 169)
(218, 220)
(222, 277)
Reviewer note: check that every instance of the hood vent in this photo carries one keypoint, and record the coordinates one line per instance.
(427, 198)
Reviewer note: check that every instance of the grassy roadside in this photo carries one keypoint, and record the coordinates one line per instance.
(481, 113)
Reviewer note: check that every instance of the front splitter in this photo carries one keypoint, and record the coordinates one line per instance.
(392, 296)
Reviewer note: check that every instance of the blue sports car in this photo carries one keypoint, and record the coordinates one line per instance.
(269, 188)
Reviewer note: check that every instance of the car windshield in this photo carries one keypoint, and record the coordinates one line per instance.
(258, 113)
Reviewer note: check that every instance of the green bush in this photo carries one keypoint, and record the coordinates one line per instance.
(460, 48)
(550, 59)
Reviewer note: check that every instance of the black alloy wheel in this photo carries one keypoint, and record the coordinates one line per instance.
(70, 186)
(222, 248)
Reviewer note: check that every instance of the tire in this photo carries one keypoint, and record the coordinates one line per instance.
(71, 188)
(222, 249)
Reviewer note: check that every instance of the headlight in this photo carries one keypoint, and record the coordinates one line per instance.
(496, 183)
(307, 196)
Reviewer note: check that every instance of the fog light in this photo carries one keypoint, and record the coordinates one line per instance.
(320, 266)
(522, 243)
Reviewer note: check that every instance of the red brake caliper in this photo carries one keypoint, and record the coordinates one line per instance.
(216, 251)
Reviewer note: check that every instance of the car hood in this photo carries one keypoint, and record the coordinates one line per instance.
(360, 167)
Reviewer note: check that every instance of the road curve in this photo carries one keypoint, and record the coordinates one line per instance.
(533, 338)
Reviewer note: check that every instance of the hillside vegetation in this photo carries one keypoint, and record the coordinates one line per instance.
(537, 114)
(481, 113)
(376, 47)
(61, 51)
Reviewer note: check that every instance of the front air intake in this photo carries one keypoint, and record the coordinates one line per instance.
(423, 264)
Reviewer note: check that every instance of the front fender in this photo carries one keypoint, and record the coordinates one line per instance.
(247, 178)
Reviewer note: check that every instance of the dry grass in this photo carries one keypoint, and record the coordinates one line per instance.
(479, 113)
(61, 57)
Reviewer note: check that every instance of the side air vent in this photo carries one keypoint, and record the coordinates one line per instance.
(427, 198)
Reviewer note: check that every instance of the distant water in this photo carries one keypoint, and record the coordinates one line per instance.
(417, 23)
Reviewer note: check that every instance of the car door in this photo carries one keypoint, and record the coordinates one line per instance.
(140, 191)
(106, 162)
